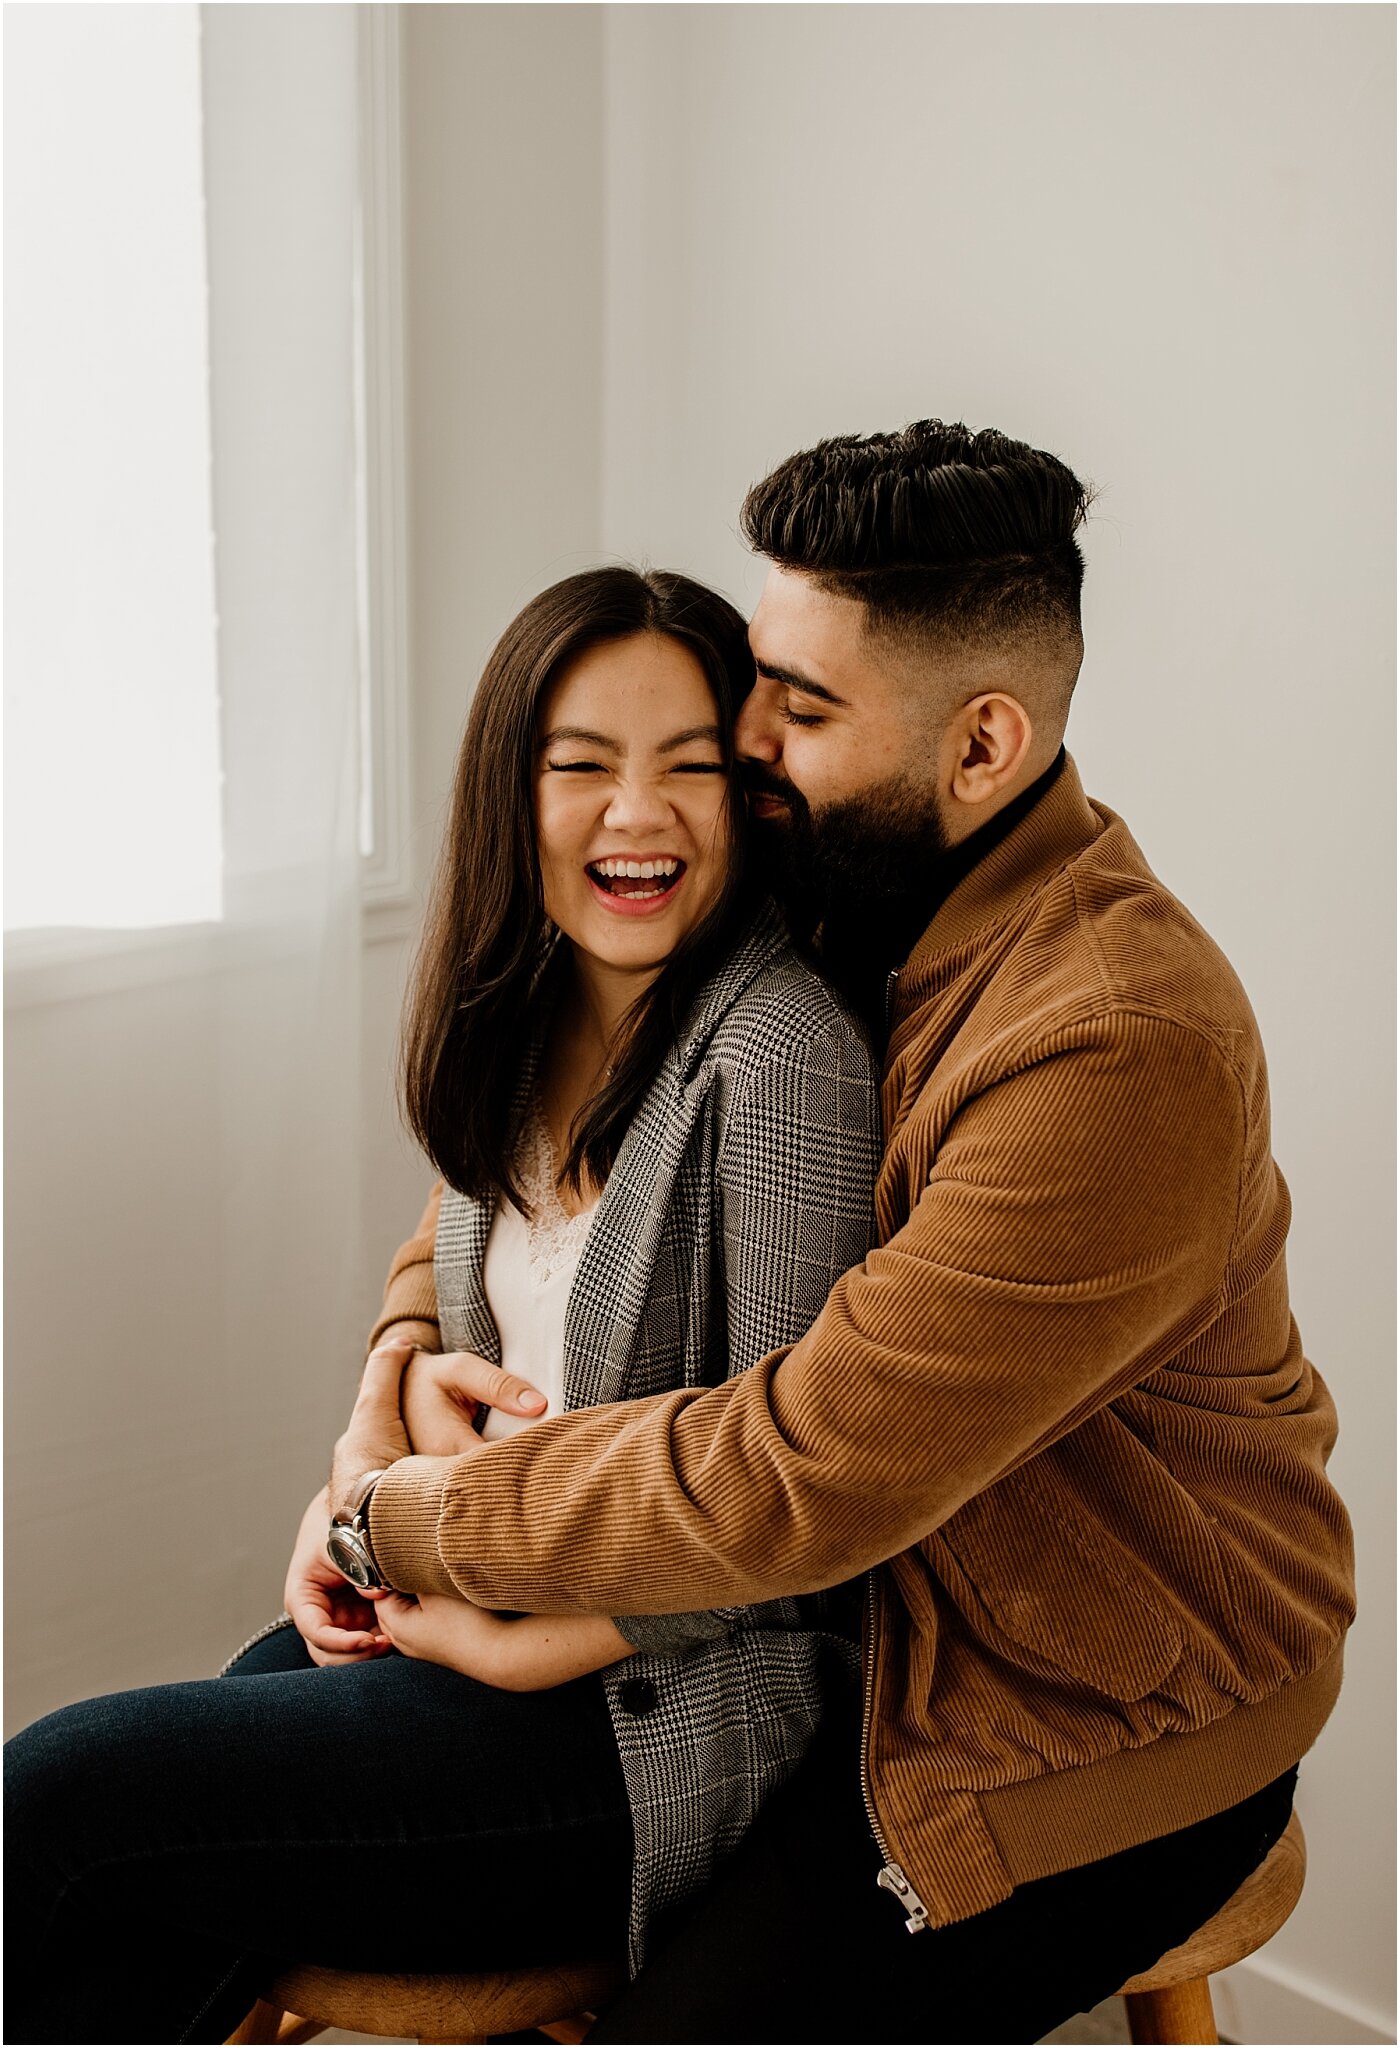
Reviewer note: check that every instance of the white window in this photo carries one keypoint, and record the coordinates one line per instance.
(114, 800)
(112, 778)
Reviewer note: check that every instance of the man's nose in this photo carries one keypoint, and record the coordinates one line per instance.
(758, 735)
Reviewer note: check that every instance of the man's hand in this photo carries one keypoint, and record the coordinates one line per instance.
(335, 1622)
(441, 1392)
(376, 1436)
(445, 1388)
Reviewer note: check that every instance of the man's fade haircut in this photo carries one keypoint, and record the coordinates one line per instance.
(946, 536)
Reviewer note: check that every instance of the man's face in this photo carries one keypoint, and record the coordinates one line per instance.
(842, 768)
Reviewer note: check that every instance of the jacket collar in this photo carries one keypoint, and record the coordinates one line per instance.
(761, 941)
(1062, 824)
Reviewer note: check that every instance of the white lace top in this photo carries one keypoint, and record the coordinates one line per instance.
(528, 1273)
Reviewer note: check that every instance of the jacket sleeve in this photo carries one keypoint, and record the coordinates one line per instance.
(1073, 1236)
(795, 1193)
(410, 1295)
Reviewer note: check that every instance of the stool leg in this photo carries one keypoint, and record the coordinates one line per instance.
(1183, 2013)
(261, 2025)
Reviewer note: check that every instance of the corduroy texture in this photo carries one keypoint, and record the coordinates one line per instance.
(1065, 1399)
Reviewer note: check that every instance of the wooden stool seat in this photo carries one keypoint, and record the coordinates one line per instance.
(304, 2000)
(1168, 2003)
(1171, 2001)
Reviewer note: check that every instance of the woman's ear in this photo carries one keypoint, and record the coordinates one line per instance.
(990, 738)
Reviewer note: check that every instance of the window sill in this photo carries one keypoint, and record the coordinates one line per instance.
(71, 964)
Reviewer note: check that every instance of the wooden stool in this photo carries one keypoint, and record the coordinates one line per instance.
(1169, 2003)
(302, 2001)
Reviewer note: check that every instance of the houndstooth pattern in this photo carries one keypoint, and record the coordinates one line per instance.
(740, 1194)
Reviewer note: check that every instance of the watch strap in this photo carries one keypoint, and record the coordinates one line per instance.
(359, 1498)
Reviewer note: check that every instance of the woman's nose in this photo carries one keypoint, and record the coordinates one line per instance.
(638, 807)
(758, 734)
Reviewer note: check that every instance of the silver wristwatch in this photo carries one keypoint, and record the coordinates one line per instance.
(347, 1543)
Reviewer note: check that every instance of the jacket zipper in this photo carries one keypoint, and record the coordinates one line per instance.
(891, 1878)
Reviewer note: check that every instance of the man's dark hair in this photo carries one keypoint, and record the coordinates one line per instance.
(944, 535)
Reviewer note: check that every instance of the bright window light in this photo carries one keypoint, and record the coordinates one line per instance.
(112, 778)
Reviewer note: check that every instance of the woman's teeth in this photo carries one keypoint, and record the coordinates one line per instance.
(612, 872)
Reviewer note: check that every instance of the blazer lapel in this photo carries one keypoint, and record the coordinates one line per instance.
(605, 1335)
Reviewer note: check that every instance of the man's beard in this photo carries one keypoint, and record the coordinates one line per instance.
(857, 880)
(855, 857)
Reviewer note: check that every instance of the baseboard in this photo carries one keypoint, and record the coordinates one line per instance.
(1258, 2002)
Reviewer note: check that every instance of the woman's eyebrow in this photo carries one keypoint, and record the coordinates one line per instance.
(615, 746)
(795, 681)
(581, 732)
(692, 732)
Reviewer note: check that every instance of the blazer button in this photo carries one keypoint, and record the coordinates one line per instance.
(637, 1696)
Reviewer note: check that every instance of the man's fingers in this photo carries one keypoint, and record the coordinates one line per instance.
(477, 1379)
(379, 1383)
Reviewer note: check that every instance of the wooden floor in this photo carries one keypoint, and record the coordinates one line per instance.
(1107, 2022)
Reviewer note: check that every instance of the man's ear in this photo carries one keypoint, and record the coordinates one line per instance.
(989, 739)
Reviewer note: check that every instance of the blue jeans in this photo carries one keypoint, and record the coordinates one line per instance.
(164, 1845)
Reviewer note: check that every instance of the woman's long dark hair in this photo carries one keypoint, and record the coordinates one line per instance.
(486, 939)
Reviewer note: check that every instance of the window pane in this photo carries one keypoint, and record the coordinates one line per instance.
(112, 784)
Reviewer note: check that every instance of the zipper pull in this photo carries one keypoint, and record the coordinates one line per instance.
(891, 983)
(892, 1879)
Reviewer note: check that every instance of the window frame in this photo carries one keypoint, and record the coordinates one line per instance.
(388, 883)
(61, 963)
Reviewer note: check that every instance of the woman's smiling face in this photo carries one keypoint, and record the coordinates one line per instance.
(631, 801)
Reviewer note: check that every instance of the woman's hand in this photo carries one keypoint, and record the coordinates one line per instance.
(442, 1391)
(337, 1625)
(526, 1655)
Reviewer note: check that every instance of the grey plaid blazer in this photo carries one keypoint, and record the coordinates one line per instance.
(742, 1191)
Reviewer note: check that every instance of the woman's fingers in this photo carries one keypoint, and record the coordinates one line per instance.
(343, 1642)
(398, 1618)
(471, 1378)
(333, 1629)
(380, 1647)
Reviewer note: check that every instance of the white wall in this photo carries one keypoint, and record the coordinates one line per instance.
(1158, 240)
(503, 190)
(181, 1154)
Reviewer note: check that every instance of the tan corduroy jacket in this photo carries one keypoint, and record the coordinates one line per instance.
(1063, 1410)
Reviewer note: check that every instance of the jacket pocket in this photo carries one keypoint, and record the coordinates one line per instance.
(1061, 1587)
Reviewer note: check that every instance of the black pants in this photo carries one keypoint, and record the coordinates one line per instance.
(796, 1943)
(164, 1844)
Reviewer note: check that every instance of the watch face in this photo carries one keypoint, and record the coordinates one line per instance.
(347, 1554)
